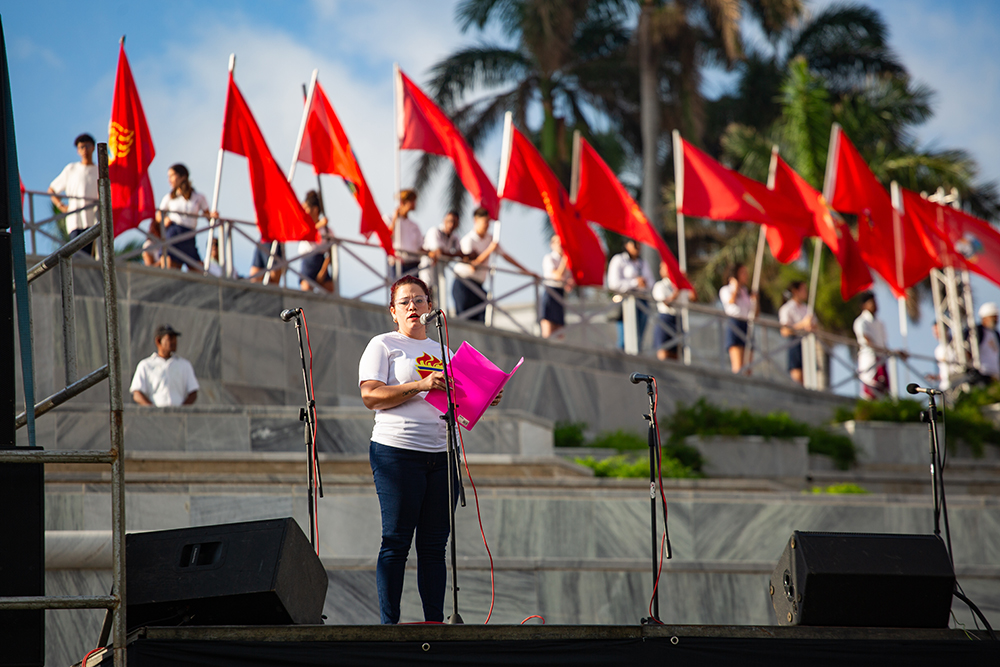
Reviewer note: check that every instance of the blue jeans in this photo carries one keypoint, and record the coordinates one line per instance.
(412, 491)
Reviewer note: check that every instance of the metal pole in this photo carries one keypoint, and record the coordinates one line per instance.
(397, 100)
(218, 183)
(115, 400)
(69, 318)
(681, 237)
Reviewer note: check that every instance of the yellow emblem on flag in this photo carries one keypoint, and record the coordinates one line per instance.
(120, 140)
(638, 214)
(748, 198)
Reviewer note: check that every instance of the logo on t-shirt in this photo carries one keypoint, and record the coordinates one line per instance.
(427, 364)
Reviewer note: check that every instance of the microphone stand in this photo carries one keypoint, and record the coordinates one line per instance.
(454, 475)
(937, 473)
(652, 437)
(308, 416)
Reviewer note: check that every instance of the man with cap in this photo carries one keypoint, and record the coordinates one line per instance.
(164, 379)
(872, 350)
(989, 341)
(78, 180)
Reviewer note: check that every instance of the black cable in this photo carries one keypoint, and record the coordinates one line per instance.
(975, 610)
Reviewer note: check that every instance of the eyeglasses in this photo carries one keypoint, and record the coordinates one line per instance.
(416, 301)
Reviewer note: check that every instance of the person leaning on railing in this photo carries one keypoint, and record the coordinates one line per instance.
(179, 211)
(556, 279)
(796, 320)
(667, 333)
(315, 266)
(407, 239)
(440, 243)
(477, 246)
(78, 180)
(628, 273)
(873, 350)
(738, 304)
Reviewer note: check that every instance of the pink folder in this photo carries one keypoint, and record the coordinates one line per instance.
(477, 383)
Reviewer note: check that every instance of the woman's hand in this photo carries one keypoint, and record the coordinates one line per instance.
(496, 401)
(433, 381)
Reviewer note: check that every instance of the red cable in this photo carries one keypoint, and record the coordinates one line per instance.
(313, 428)
(475, 493)
(531, 617)
(90, 653)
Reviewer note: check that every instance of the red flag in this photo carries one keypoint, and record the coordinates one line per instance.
(709, 190)
(326, 148)
(529, 180)
(852, 188)
(601, 198)
(959, 239)
(829, 226)
(132, 147)
(280, 217)
(790, 223)
(424, 127)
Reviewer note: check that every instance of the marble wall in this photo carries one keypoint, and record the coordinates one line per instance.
(243, 354)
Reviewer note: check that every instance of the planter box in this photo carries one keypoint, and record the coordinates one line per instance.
(752, 455)
(889, 442)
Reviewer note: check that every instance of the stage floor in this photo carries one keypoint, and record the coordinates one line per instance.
(554, 645)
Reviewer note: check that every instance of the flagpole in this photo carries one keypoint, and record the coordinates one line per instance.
(574, 178)
(897, 232)
(218, 184)
(397, 99)
(681, 235)
(504, 165)
(829, 185)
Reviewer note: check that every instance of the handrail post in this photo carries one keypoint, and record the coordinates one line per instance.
(630, 324)
(69, 318)
(115, 399)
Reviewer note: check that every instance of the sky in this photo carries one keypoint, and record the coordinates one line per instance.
(63, 56)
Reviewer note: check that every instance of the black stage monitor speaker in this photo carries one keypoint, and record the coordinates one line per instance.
(863, 580)
(252, 573)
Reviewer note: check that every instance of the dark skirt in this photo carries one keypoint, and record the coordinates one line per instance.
(553, 308)
(736, 332)
(795, 356)
(666, 334)
(187, 246)
(260, 257)
(311, 266)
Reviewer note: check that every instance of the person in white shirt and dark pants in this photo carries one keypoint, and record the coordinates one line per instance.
(78, 180)
(628, 273)
(738, 304)
(164, 379)
(796, 320)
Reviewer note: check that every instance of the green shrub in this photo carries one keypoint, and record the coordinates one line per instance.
(964, 422)
(705, 419)
(624, 465)
(569, 434)
(846, 487)
(621, 440)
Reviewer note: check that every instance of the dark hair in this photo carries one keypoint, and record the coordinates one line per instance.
(452, 212)
(795, 284)
(83, 138)
(481, 212)
(312, 199)
(866, 296)
(407, 195)
(408, 280)
(733, 271)
(184, 188)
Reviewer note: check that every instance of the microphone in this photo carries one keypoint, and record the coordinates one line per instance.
(636, 378)
(289, 314)
(914, 388)
(432, 315)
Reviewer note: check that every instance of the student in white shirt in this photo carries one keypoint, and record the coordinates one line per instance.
(556, 277)
(164, 379)
(738, 304)
(78, 180)
(873, 349)
(944, 355)
(315, 266)
(440, 244)
(667, 333)
(989, 342)
(407, 239)
(477, 246)
(628, 273)
(408, 451)
(179, 211)
(796, 320)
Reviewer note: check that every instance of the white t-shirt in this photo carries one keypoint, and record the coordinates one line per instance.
(989, 353)
(184, 212)
(791, 313)
(79, 182)
(396, 359)
(407, 239)
(473, 244)
(663, 289)
(550, 264)
(436, 239)
(624, 273)
(866, 326)
(947, 367)
(743, 305)
(165, 382)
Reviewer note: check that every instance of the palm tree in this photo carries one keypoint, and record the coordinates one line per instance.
(567, 55)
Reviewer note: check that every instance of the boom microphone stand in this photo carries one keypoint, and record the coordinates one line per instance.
(454, 471)
(308, 416)
(653, 438)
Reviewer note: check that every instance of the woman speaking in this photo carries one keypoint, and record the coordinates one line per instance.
(408, 451)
